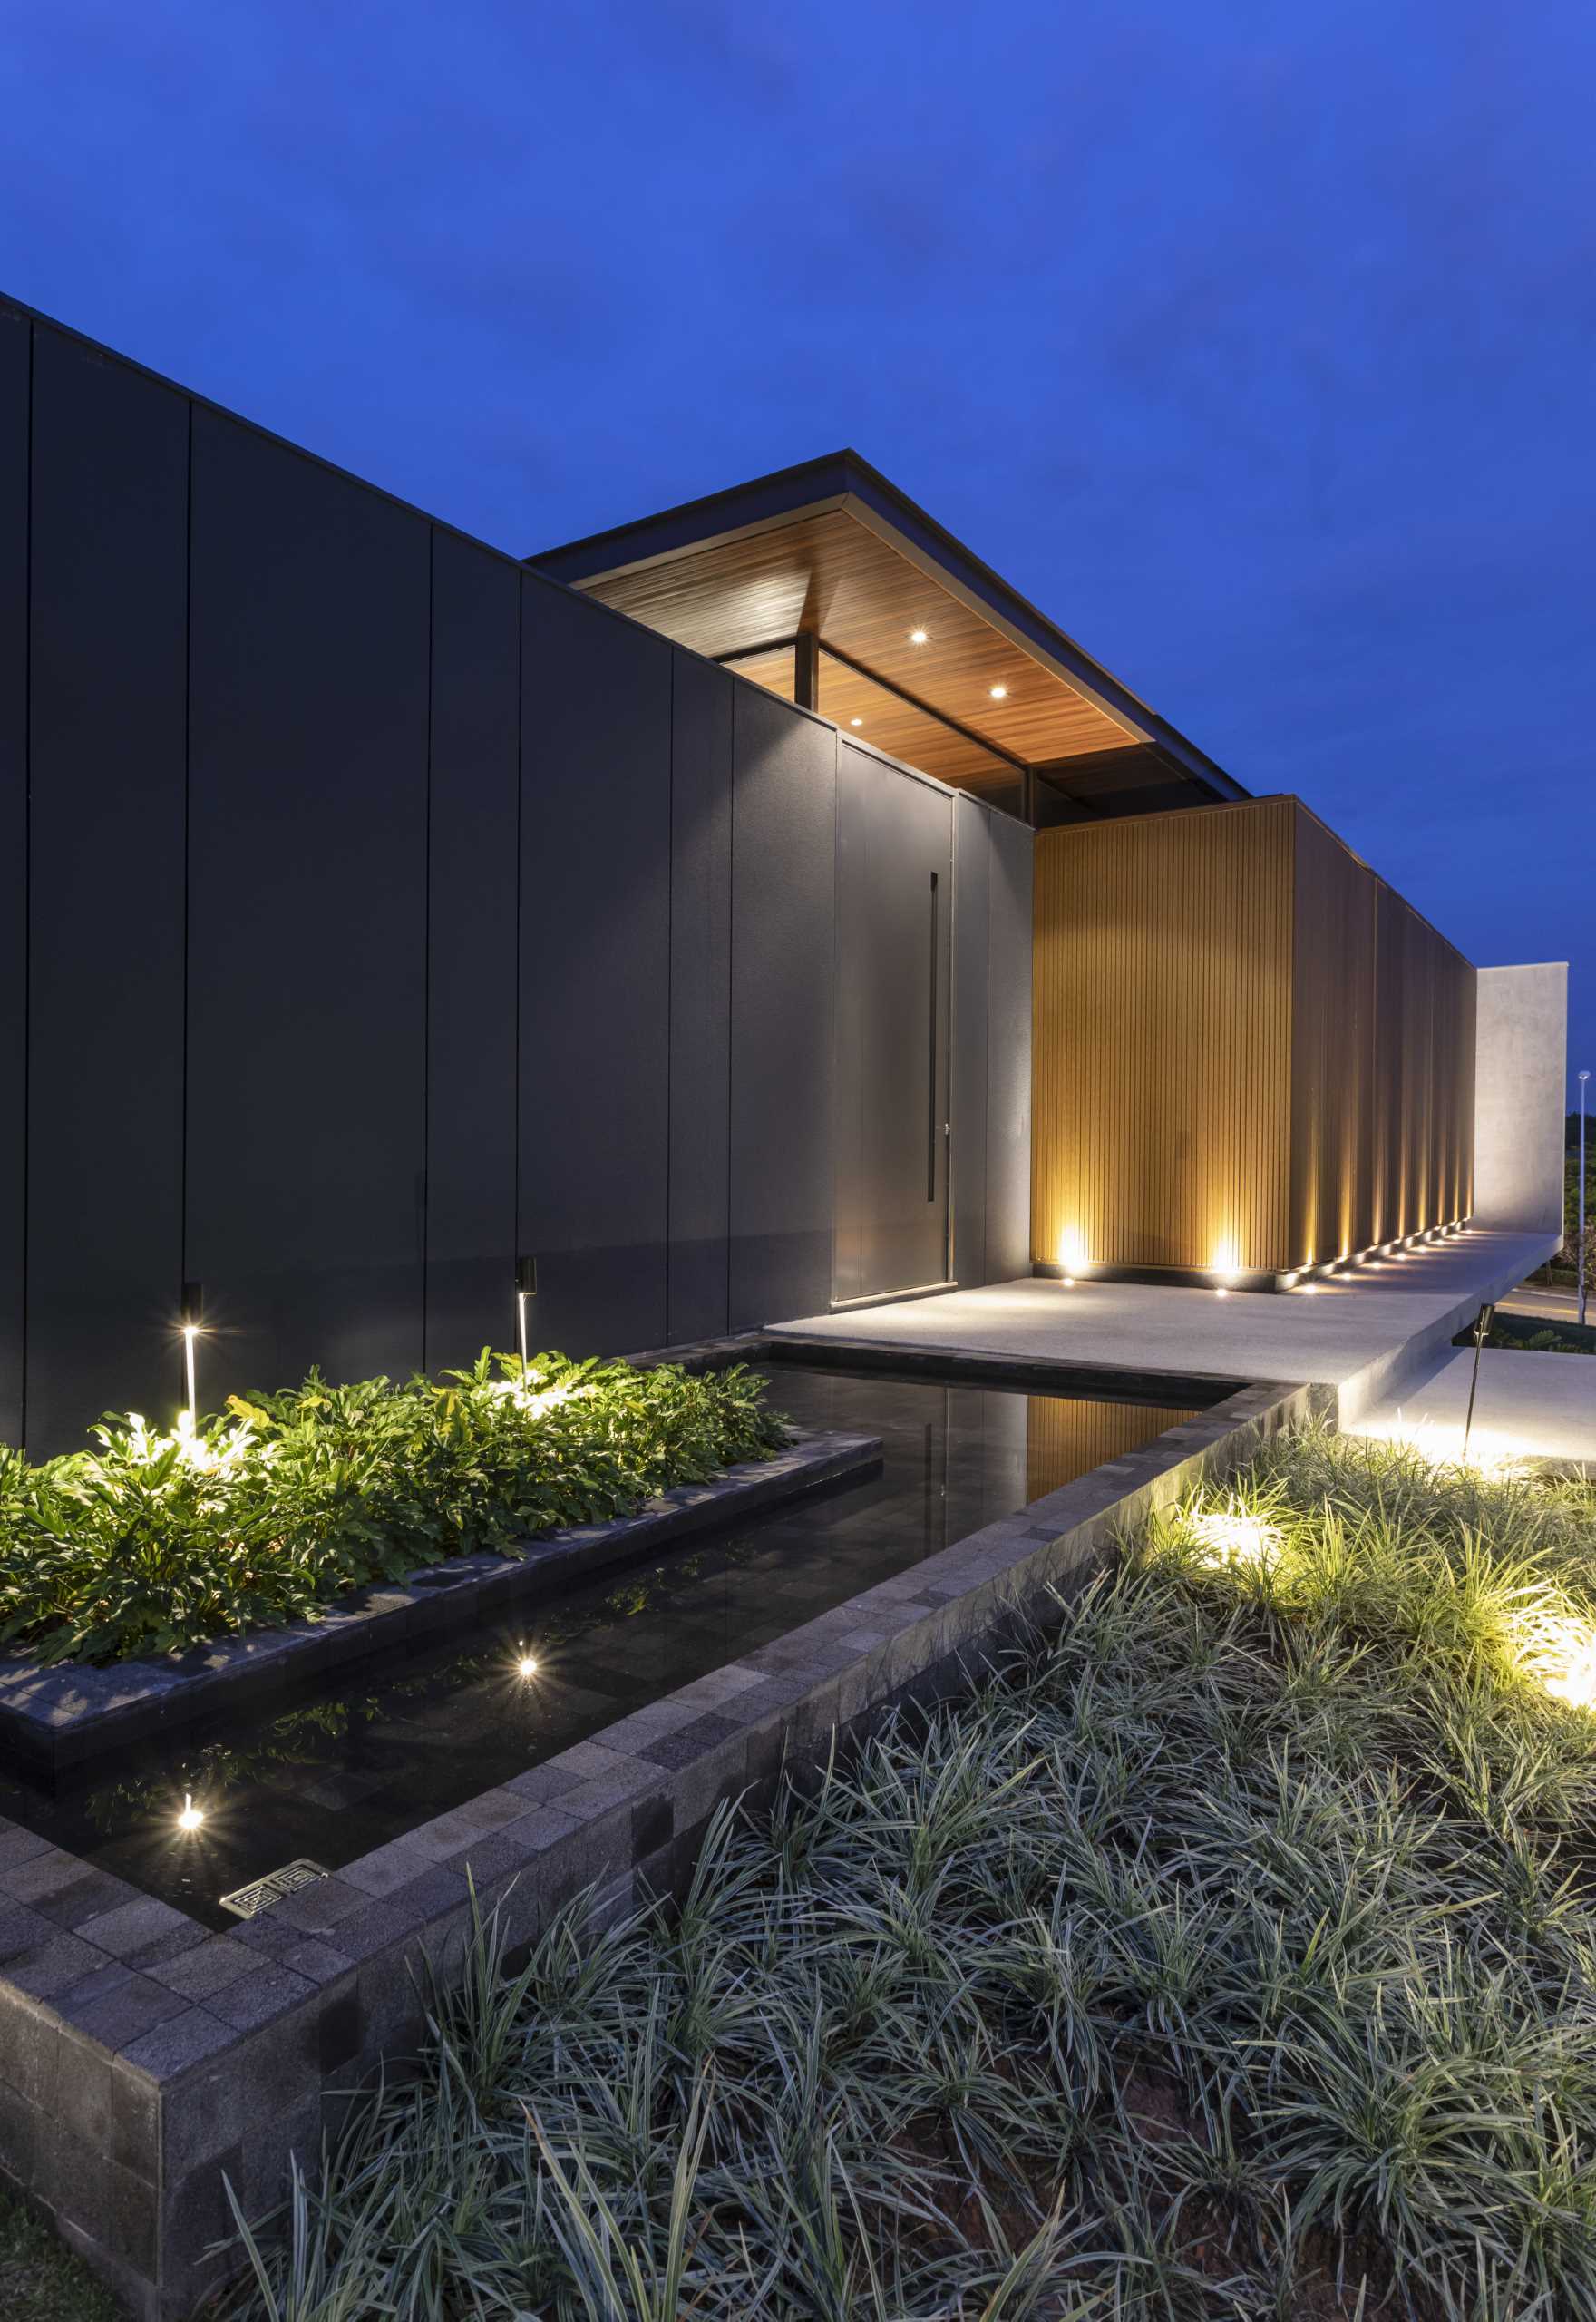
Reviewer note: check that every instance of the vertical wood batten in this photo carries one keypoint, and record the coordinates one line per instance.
(1163, 999)
(1249, 1050)
(1332, 1048)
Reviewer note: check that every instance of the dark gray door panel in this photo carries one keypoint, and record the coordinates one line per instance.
(894, 930)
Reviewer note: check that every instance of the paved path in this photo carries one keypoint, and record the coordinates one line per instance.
(1364, 1333)
(1539, 1304)
(1537, 1405)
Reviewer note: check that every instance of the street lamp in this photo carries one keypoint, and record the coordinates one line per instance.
(1583, 1078)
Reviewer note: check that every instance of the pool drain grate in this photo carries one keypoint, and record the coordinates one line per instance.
(245, 1901)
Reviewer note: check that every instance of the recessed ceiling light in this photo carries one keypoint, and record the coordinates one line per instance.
(920, 636)
(999, 693)
(856, 721)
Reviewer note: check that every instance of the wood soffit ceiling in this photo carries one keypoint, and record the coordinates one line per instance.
(876, 714)
(835, 570)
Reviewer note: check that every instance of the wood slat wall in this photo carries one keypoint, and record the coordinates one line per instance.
(1249, 1051)
(1423, 1159)
(1332, 1048)
(1161, 1118)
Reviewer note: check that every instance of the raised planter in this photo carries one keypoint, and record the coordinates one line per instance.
(57, 1718)
(143, 2058)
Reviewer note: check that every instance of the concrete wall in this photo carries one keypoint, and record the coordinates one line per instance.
(1521, 1078)
(373, 910)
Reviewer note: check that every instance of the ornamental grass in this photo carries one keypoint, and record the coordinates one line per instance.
(1229, 1953)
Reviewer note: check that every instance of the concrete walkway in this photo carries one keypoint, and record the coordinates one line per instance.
(1365, 1334)
(1528, 1406)
(1548, 1306)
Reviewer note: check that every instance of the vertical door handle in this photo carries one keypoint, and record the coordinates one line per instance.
(931, 1061)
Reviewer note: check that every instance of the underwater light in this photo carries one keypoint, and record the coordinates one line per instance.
(191, 1816)
(526, 1664)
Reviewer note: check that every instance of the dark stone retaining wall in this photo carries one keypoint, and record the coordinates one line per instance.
(142, 2057)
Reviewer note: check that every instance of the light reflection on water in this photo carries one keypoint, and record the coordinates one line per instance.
(388, 1745)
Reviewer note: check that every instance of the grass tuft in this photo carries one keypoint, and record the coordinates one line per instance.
(40, 2279)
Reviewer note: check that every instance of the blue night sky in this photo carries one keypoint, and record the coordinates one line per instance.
(1254, 344)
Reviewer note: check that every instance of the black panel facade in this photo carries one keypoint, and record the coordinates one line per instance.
(16, 357)
(972, 916)
(472, 884)
(783, 890)
(106, 891)
(894, 923)
(1009, 1051)
(595, 972)
(308, 916)
(700, 996)
(395, 914)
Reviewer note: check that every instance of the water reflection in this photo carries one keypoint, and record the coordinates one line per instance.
(385, 1747)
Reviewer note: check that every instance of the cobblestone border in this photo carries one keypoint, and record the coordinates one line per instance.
(143, 2058)
(56, 1718)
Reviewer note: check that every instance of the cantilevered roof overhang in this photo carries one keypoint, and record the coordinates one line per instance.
(923, 645)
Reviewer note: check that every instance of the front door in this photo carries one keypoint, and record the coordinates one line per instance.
(894, 929)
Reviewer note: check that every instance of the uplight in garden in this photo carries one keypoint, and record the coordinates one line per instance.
(1231, 1539)
(534, 1404)
(1562, 1654)
(206, 1458)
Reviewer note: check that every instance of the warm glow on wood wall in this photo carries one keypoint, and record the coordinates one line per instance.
(1249, 1056)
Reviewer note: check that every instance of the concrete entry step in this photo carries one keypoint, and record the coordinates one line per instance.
(1365, 1334)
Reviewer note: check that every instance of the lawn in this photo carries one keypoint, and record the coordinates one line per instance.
(40, 2279)
(1229, 1954)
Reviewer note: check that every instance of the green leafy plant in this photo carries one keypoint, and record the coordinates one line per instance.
(263, 1513)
